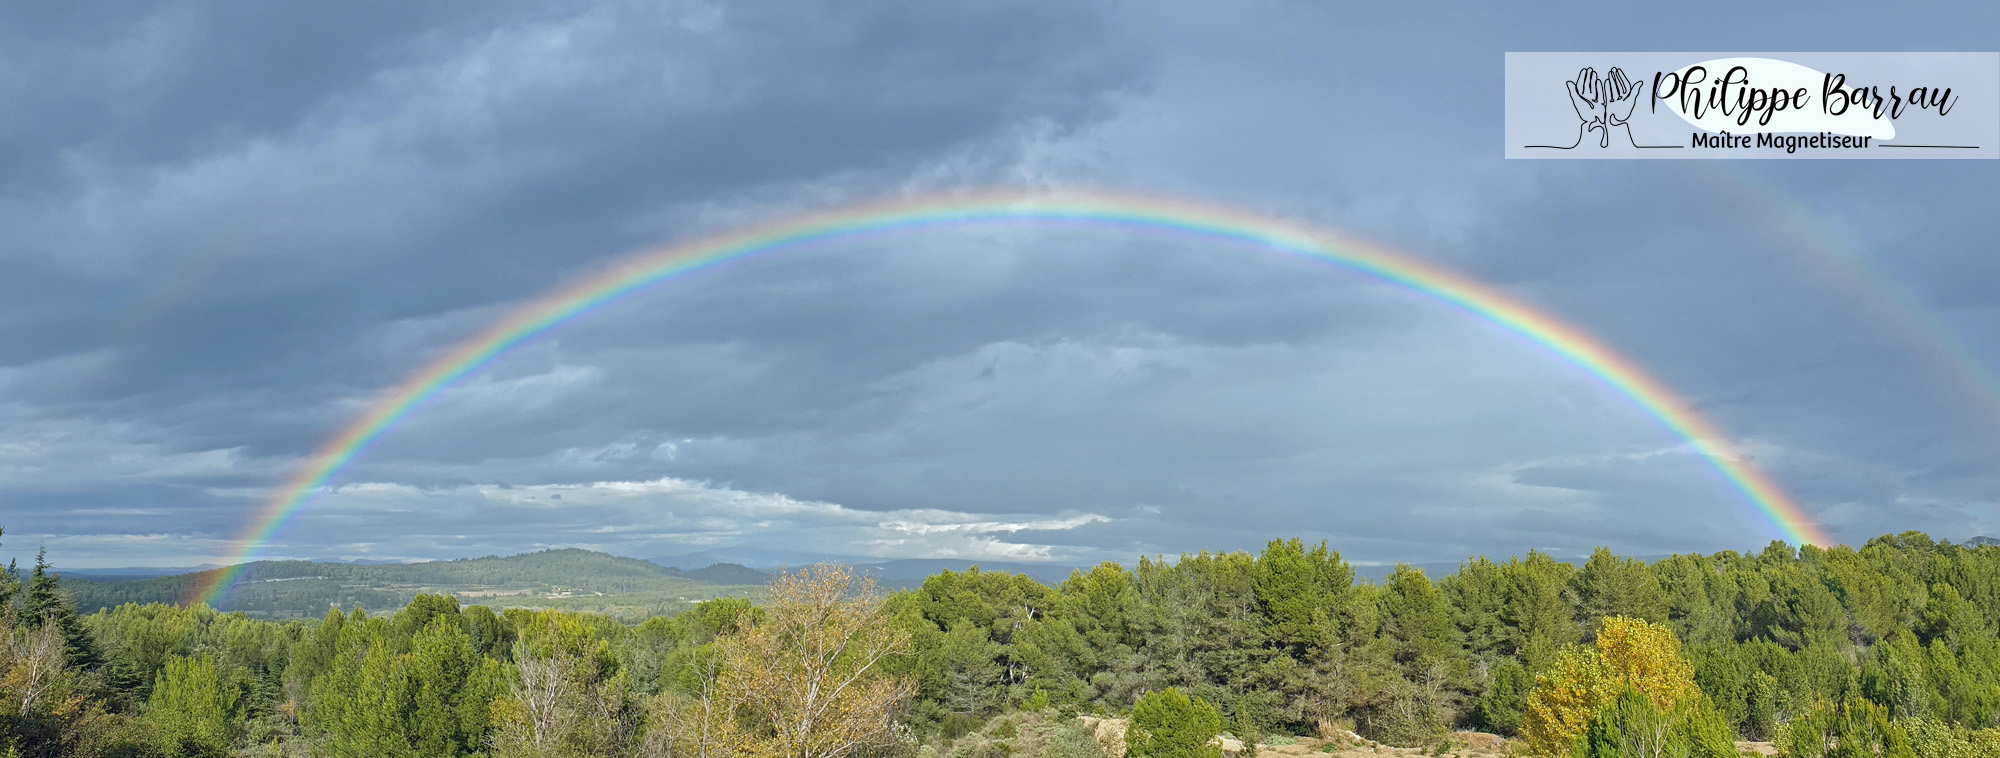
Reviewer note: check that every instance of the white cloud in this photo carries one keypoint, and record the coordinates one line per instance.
(659, 516)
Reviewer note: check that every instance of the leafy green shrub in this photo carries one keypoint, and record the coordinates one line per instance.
(1631, 725)
(1409, 715)
(1068, 738)
(1932, 738)
(980, 747)
(1853, 727)
(1169, 724)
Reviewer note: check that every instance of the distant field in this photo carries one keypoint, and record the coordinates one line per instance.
(571, 579)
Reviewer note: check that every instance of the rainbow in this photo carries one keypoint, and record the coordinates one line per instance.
(1820, 242)
(1132, 213)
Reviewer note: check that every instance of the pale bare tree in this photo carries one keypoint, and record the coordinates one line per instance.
(808, 673)
(565, 699)
(547, 701)
(680, 726)
(689, 727)
(35, 665)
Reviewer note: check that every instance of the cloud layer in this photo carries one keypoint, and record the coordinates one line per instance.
(232, 226)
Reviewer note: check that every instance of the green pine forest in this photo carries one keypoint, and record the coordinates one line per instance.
(1889, 649)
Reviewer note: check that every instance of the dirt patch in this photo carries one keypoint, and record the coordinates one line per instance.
(1344, 744)
(1111, 734)
(1456, 745)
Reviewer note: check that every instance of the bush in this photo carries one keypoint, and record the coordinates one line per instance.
(1631, 725)
(1409, 715)
(1931, 738)
(1852, 727)
(1169, 724)
(1069, 738)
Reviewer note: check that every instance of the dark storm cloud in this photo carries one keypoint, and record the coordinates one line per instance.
(521, 150)
(455, 162)
(173, 83)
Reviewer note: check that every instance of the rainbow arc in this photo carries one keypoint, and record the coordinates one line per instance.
(1131, 213)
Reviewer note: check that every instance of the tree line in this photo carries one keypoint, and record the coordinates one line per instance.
(1892, 648)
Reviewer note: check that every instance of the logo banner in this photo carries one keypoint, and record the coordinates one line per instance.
(1753, 105)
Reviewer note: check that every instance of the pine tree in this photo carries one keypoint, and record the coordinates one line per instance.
(10, 583)
(1424, 642)
(421, 609)
(358, 703)
(192, 712)
(44, 600)
(1539, 609)
(1612, 586)
(1894, 676)
(1417, 620)
(1290, 597)
(1478, 594)
(1499, 709)
(451, 691)
(968, 670)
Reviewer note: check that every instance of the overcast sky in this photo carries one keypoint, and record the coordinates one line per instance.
(231, 225)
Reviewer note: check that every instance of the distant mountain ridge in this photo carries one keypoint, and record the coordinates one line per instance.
(895, 573)
(305, 588)
(912, 572)
(725, 573)
(135, 572)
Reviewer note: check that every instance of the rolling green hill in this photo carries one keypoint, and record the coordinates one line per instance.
(569, 578)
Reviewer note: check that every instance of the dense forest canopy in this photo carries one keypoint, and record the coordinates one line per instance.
(1889, 649)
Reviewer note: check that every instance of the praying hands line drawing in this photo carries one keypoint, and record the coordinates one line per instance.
(1602, 103)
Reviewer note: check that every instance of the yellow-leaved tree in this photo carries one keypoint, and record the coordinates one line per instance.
(1630, 654)
(1646, 657)
(1565, 698)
